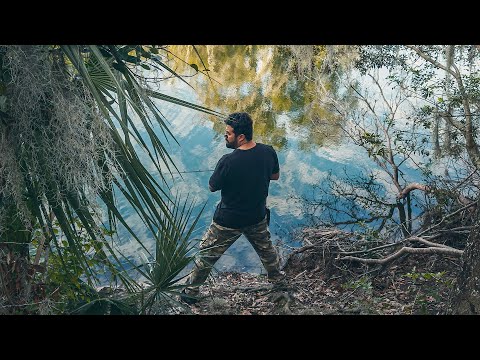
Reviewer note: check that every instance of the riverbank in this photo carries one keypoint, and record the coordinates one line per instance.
(411, 286)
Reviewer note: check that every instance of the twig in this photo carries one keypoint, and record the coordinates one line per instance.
(374, 249)
(298, 275)
(252, 289)
(445, 217)
(303, 248)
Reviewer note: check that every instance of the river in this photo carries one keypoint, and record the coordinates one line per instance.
(258, 80)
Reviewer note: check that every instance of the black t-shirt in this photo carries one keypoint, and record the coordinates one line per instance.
(243, 176)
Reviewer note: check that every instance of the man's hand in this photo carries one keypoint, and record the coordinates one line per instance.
(275, 176)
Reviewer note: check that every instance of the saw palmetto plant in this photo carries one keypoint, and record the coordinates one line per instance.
(73, 120)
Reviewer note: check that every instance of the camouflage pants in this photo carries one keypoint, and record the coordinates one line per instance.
(218, 239)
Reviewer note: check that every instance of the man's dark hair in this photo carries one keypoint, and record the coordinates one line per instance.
(241, 123)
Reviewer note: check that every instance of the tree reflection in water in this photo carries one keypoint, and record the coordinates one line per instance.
(262, 80)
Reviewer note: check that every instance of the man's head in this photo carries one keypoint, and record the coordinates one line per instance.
(238, 129)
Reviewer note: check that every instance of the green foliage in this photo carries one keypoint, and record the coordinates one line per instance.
(428, 287)
(373, 144)
(99, 305)
(173, 252)
(364, 283)
(63, 277)
(378, 56)
(436, 277)
(82, 116)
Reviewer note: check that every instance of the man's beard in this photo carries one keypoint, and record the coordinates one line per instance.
(231, 145)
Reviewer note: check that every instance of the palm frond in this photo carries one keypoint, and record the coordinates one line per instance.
(173, 252)
(102, 80)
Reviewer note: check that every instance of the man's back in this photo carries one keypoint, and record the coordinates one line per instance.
(243, 176)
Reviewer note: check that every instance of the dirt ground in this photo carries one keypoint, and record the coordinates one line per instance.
(412, 285)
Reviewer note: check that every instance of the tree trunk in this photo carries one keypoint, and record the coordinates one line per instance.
(15, 267)
(466, 296)
(15, 282)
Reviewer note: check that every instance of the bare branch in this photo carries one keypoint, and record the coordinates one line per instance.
(446, 217)
(405, 250)
(411, 187)
(430, 243)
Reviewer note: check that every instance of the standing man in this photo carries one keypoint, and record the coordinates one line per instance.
(243, 176)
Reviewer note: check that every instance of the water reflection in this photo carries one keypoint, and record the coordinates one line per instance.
(260, 80)
(256, 79)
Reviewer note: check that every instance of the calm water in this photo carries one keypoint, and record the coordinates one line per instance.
(257, 80)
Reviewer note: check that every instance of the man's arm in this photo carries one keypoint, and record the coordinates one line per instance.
(218, 177)
(276, 167)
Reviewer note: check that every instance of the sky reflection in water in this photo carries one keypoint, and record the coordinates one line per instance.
(202, 144)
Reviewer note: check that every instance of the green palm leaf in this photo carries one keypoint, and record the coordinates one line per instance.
(107, 74)
(173, 252)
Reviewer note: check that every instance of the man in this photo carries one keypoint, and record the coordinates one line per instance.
(243, 176)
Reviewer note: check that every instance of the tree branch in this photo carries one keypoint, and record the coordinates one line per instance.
(406, 250)
(410, 187)
(446, 217)
(432, 61)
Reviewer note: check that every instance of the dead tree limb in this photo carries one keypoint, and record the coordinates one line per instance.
(406, 250)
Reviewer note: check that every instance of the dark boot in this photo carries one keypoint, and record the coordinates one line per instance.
(189, 296)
